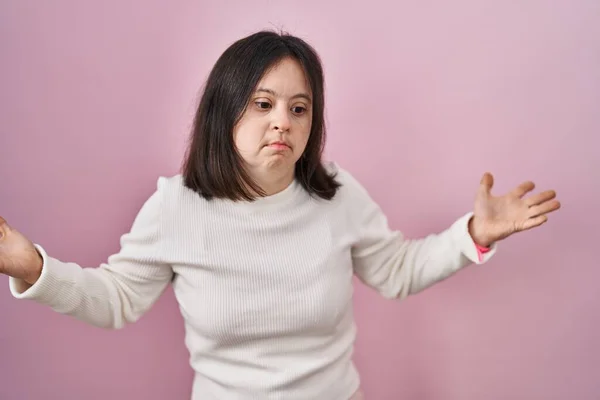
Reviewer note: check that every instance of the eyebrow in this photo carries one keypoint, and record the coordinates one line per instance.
(296, 96)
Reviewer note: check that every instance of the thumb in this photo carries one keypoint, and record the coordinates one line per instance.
(486, 184)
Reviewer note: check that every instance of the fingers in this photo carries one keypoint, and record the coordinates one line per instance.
(3, 228)
(523, 189)
(534, 222)
(487, 181)
(540, 198)
(544, 208)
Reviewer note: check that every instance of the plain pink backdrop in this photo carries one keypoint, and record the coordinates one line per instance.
(95, 104)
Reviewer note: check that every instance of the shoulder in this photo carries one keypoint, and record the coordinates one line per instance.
(350, 185)
(351, 194)
(171, 194)
(173, 187)
(176, 208)
(166, 188)
(169, 184)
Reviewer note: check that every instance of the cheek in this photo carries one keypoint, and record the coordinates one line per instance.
(247, 139)
(305, 133)
(301, 142)
(243, 143)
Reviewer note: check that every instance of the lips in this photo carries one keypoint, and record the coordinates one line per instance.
(279, 145)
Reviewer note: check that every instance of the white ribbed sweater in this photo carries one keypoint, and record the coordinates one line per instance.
(264, 287)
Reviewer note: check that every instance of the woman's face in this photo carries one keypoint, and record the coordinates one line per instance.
(274, 129)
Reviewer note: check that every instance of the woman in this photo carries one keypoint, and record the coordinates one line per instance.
(261, 239)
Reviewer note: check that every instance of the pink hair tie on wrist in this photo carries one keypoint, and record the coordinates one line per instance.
(481, 251)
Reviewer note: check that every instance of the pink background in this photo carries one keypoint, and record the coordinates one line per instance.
(95, 104)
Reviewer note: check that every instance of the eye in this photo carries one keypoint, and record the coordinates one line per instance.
(263, 105)
(298, 110)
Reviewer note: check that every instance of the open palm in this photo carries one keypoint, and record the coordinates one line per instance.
(498, 217)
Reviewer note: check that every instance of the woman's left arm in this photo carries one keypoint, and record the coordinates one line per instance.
(397, 267)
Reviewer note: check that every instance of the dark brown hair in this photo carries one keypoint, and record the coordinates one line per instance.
(212, 167)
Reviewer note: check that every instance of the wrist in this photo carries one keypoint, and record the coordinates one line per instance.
(478, 233)
(36, 270)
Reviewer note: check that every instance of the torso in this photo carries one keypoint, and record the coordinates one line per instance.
(266, 293)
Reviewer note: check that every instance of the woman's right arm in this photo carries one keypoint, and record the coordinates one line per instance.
(117, 292)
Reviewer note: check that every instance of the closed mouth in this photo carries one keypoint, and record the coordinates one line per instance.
(279, 145)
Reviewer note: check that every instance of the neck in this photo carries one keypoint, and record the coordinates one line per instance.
(272, 183)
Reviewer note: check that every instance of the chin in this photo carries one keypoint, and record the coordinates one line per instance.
(281, 161)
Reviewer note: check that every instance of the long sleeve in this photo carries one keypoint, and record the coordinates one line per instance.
(397, 267)
(117, 292)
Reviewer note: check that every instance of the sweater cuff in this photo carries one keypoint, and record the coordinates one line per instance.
(47, 287)
(462, 237)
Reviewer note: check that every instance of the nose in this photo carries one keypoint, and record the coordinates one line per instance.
(281, 119)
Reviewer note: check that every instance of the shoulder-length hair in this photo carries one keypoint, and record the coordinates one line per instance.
(212, 166)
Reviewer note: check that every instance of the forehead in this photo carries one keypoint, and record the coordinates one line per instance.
(287, 78)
